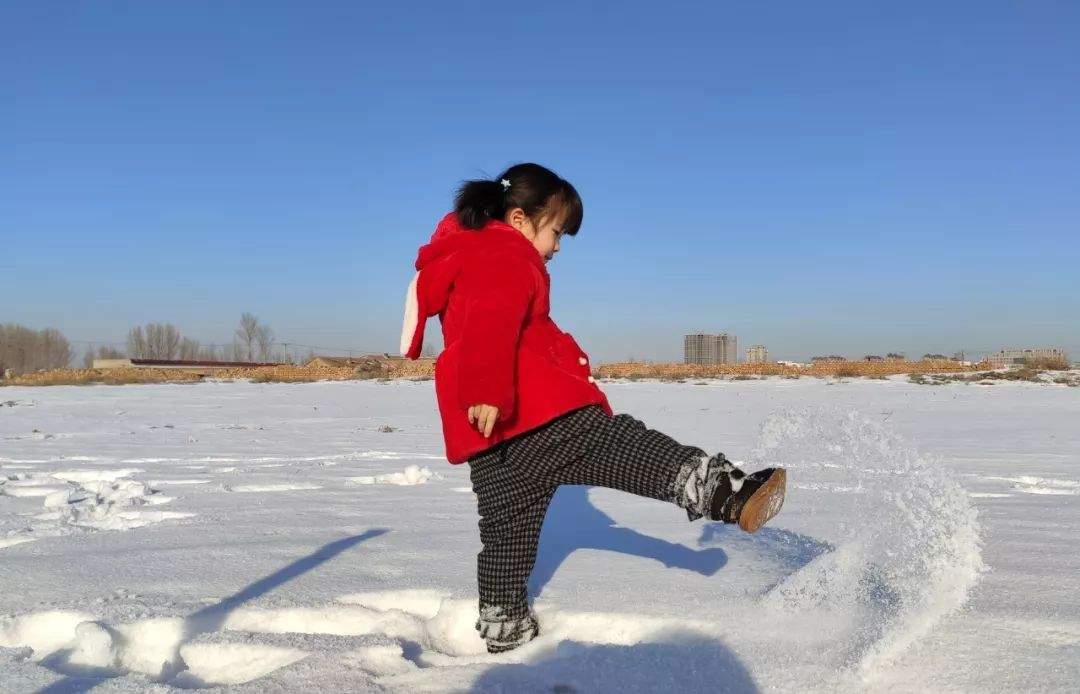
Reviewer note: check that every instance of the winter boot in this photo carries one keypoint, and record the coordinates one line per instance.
(503, 633)
(715, 488)
(751, 501)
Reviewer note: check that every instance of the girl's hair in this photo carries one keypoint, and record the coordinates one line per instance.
(536, 190)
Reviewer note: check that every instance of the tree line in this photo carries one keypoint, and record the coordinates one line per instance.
(23, 350)
(252, 341)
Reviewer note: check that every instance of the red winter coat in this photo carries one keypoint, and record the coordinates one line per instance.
(491, 292)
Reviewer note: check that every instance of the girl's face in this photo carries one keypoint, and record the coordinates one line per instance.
(544, 236)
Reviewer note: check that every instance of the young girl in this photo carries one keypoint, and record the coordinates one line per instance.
(517, 400)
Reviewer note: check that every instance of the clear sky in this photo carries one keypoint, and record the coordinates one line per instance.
(821, 177)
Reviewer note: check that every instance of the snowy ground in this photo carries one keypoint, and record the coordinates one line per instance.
(275, 537)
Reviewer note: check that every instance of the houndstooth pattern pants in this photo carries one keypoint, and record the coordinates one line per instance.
(515, 480)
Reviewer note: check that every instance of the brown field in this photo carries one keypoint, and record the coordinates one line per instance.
(79, 377)
(1068, 378)
(676, 372)
(421, 369)
(1048, 364)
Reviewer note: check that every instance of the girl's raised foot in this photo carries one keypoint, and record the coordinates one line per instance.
(755, 499)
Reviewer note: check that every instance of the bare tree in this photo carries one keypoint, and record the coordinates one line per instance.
(235, 352)
(55, 350)
(253, 340)
(23, 350)
(208, 353)
(157, 341)
(265, 339)
(189, 349)
(246, 335)
(164, 340)
(136, 343)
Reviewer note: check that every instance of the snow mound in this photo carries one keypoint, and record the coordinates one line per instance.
(413, 474)
(105, 505)
(380, 661)
(25, 485)
(76, 644)
(46, 632)
(233, 663)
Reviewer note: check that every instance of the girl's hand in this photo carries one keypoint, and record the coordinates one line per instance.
(485, 417)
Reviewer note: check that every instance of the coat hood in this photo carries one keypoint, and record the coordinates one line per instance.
(437, 264)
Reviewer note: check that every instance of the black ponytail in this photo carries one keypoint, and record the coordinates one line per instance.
(477, 202)
(535, 189)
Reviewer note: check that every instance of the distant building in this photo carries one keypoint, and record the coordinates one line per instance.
(757, 354)
(873, 358)
(705, 348)
(1019, 357)
(830, 359)
(895, 356)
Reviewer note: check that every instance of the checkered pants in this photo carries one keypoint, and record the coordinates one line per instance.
(515, 480)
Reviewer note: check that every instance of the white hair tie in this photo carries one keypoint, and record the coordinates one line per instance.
(505, 183)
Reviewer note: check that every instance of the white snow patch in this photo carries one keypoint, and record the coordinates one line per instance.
(413, 474)
(269, 487)
(15, 540)
(380, 660)
(396, 455)
(23, 485)
(1032, 481)
(423, 602)
(1048, 490)
(46, 632)
(108, 505)
(93, 475)
(234, 663)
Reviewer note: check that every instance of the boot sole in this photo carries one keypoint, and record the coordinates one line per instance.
(765, 503)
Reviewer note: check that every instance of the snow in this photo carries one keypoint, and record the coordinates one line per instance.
(413, 474)
(928, 543)
(269, 487)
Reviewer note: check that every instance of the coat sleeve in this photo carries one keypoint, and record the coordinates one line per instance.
(498, 293)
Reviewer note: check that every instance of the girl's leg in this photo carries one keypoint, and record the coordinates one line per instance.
(512, 508)
(589, 447)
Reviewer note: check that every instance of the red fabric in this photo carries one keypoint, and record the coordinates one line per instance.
(491, 292)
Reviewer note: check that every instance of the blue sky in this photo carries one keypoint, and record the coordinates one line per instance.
(831, 177)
